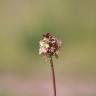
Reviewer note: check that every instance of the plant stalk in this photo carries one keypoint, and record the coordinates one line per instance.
(53, 76)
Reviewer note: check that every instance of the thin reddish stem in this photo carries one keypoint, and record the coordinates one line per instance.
(53, 76)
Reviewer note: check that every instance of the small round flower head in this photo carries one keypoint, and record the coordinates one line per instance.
(49, 45)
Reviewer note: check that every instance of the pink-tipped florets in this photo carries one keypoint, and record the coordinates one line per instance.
(49, 45)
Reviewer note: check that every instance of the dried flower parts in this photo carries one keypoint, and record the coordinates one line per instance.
(49, 45)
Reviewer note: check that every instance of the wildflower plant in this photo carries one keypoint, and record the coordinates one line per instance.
(49, 47)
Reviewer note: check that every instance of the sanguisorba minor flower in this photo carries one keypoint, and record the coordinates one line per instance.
(49, 47)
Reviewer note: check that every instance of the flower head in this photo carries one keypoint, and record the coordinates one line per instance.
(49, 45)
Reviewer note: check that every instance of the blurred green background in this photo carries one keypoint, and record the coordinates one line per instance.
(22, 22)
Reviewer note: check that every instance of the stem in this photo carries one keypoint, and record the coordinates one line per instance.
(53, 76)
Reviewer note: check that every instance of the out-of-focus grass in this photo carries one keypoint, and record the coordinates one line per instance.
(22, 23)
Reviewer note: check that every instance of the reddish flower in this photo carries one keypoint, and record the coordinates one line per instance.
(49, 45)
